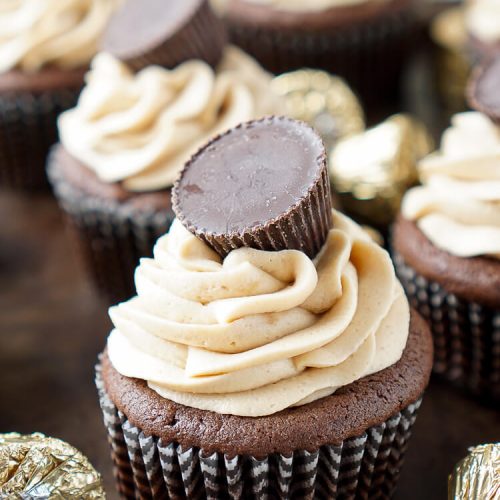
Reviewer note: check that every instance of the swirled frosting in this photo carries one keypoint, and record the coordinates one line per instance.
(458, 206)
(482, 19)
(260, 331)
(65, 33)
(299, 5)
(140, 129)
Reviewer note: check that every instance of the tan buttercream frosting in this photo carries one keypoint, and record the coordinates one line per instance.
(482, 18)
(262, 330)
(64, 33)
(299, 5)
(141, 128)
(458, 206)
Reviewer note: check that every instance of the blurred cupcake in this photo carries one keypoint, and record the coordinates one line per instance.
(270, 351)
(482, 21)
(129, 136)
(45, 48)
(446, 246)
(351, 38)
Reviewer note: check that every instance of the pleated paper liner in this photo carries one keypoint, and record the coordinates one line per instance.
(366, 466)
(28, 127)
(466, 334)
(202, 37)
(371, 56)
(110, 237)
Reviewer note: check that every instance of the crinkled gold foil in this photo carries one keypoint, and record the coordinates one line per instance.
(372, 170)
(452, 63)
(322, 100)
(35, 466)
(477, 476)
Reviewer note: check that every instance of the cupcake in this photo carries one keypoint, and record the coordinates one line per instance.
(45, 48)
(446, 245)
(483, 28)
(124, 143)
(464, 35)
(365, 41)
(270, 350)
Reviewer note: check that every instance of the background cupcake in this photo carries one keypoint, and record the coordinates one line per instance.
(365, 41)
(45, 48)
(483, 28)
(244, 368)
(124, 143)
(447, 247)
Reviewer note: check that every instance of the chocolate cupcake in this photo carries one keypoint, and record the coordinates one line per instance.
(124, 143)
(270, 351)
(42, 64)
(351, 39)
(446, 245)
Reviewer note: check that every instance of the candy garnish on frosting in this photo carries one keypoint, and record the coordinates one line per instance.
(458, 206)
(140, 129)
(259, 331)
(63, 33)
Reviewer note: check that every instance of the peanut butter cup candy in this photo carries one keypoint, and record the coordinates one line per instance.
(164, 33)
(483, 91)
(263, 184)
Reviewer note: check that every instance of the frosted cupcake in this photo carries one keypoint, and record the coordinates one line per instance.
(45, 49)
(127, 139)
(270, 349)
(351, 38)
(447, 249)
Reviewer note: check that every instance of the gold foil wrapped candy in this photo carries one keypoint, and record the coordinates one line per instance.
(372, 170)
(477, 476)
(35, 466)
(322, 100)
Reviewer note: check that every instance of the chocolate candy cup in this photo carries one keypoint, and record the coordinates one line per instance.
(166, 33)
(263, 184)
(483, 90)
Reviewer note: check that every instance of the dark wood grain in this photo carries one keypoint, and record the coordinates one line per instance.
(52, 326)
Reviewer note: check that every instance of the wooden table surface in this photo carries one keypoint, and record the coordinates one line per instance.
(52, 326)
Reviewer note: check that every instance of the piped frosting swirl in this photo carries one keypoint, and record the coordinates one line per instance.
(63, 33)
(262, 330)
(458, 206)
(140, 129)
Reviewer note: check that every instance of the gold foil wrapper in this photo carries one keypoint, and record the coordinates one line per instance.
(451, 60)
(372, 170)
(324, 101)
(477, 476)
(35, 466)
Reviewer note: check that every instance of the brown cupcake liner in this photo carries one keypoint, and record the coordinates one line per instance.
(466, 334)
(203, 37)
(371, 56)
(365, 466)
(28, 127)
(110, 236)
